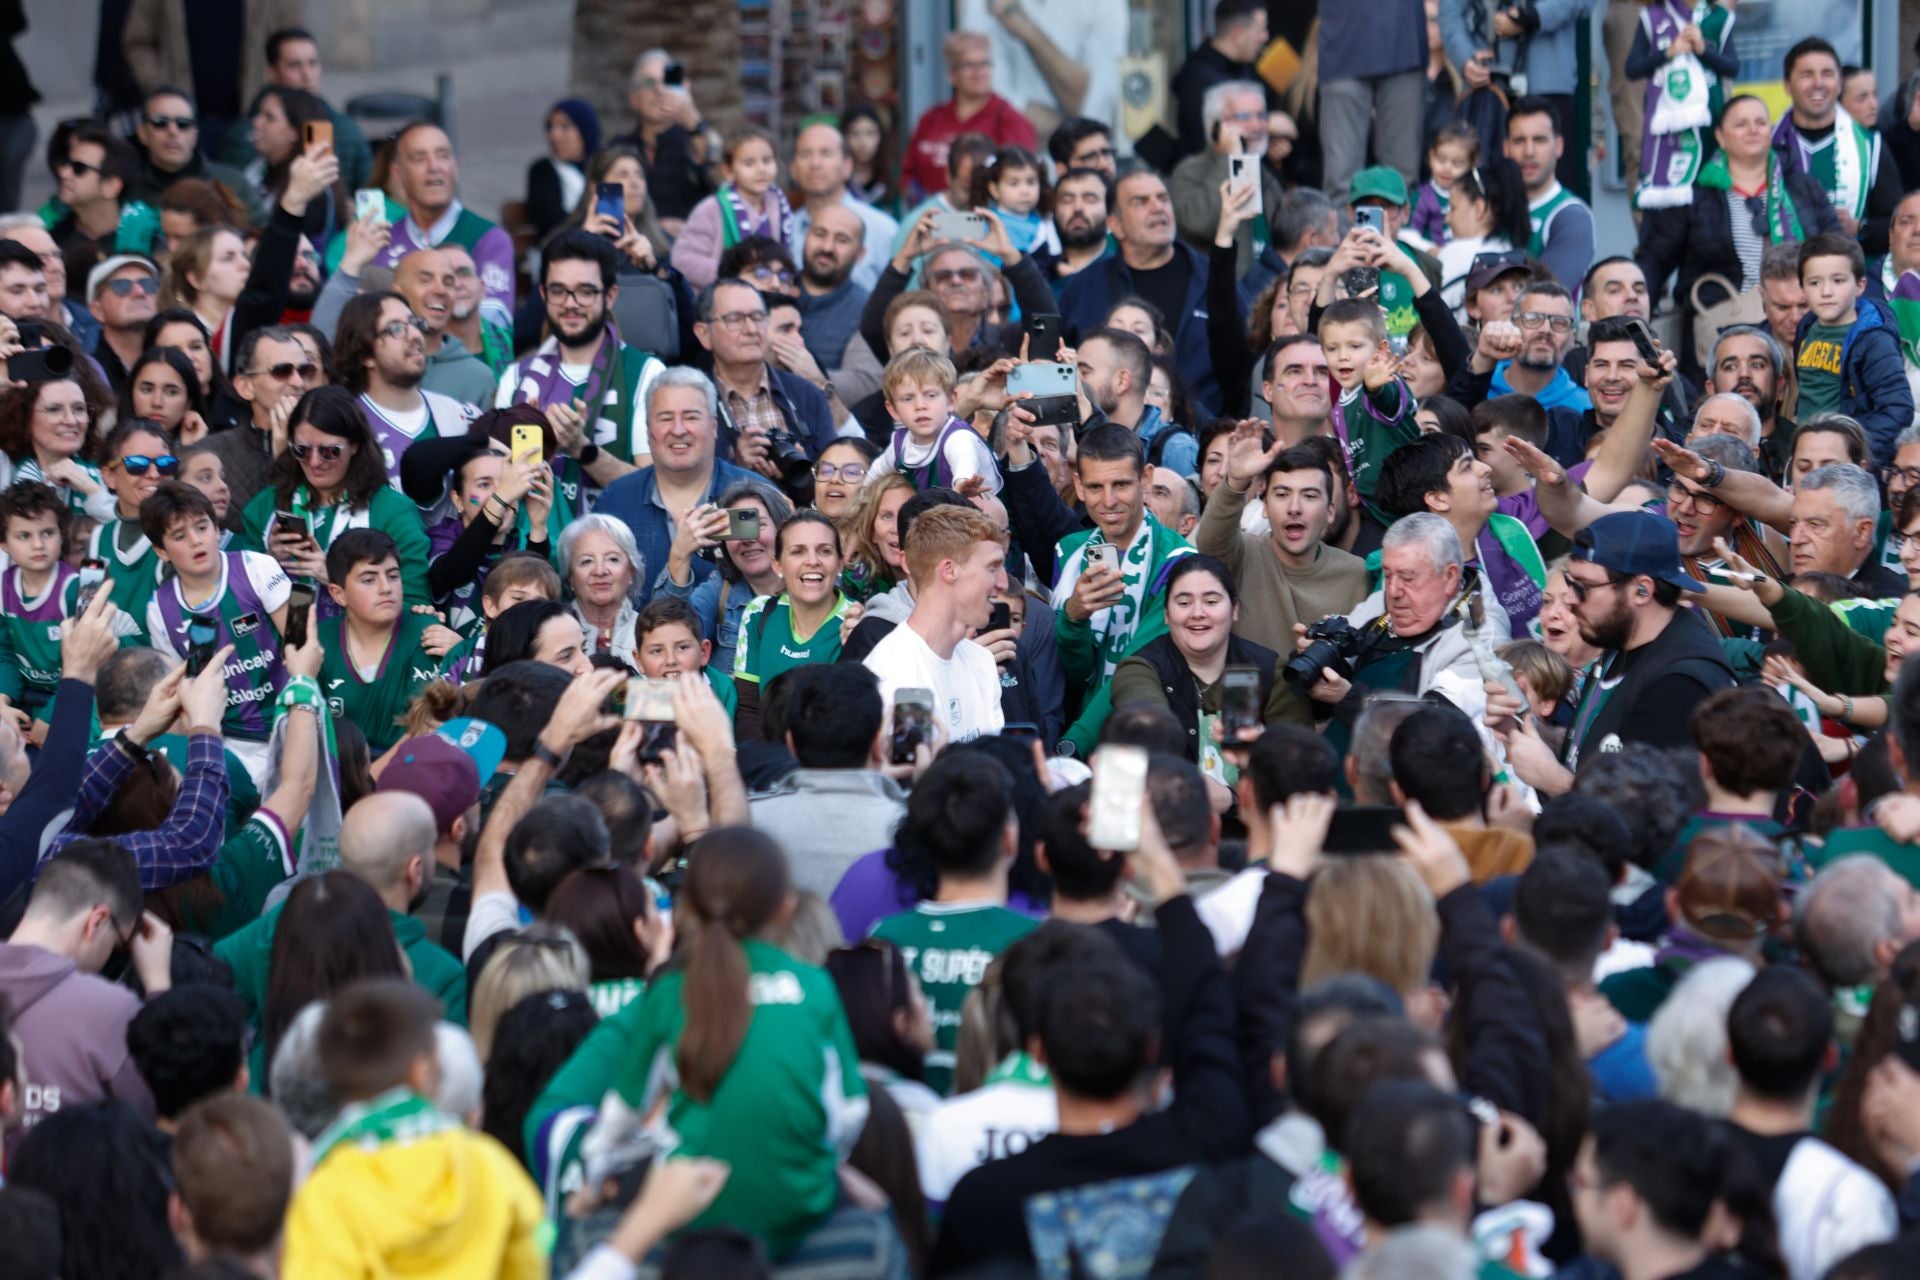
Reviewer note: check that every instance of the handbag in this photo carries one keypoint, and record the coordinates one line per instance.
(1735, 308)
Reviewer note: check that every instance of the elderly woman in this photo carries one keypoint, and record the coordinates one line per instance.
(1742, 202)
(974, 108)
(747, 566)
(601, 566)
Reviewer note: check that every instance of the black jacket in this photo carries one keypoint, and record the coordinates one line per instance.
(1659, 684)
(1697, 240)
(1176, 679)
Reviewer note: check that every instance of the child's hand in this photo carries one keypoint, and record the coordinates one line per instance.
(1383, 367)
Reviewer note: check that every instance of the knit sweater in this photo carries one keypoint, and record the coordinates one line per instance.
(1274, 597)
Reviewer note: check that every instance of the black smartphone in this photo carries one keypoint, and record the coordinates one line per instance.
(1240, 701)
(912, 722)
(1001, 619)
(299, 609)
(1363, 829)
(1043, 336)
(610, 201)
(1022, 731)
(1643, 341)
(41, 364)
(1361, 282)
(674, 75)
(203, 637)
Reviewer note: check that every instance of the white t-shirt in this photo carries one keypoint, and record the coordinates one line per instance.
(966, 453)
(991, 1123)
(966, 687)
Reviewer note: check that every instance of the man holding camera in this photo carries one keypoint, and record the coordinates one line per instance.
(1523, 47)
(771, 421)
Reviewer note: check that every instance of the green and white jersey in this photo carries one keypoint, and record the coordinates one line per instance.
(949, 945)
(30, 634)
(251, 589)
(791, 1102)
(769, 646)
(133, 566)
(249, 866)
(376, 700)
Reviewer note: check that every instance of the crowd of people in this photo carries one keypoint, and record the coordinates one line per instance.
(909, 702)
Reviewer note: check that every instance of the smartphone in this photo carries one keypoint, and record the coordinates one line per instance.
(1643, 341)
(1020, 731)
(959, 226)
(40, 364)
(1001, 618)
(288, 525)
(1119, 785)
(1243, 172)
(1361, 282)
(610, 200)
(203, 637)
(912, 722)
(316, 133)
(1043, 337)
(1052, 387)
(743, 524)
(1367, 215)
(92, 574)
(1103, 553)
(674, 75)
(369, 205)
(1366, 828)
(1240, 701)
(299, 609)
(649, 700)
(527, 443)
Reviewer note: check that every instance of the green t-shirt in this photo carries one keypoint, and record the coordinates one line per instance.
(377, 704)
(30, 629)
(1903, 859)
(768, 645)
(1818, 368)
(249, 866)
(949, 945)
(133, 567)
(791, 1096)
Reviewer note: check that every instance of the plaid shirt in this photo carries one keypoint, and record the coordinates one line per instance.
(757, 410)
(189, 841)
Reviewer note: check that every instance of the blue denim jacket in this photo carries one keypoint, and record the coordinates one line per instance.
(635, 499)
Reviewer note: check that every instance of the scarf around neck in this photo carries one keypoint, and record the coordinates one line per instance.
(1855, 153)
(737, 221)
(1783, 220)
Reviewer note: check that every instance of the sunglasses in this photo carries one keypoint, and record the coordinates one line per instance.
(185, 124)
(127, 287)
(962, 275)
(281, 372)
(78, 168)
(136, 464)
(327, 452)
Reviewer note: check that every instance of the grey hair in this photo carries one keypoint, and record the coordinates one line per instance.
(1747, 410)
(461, 1076)
(1910, 436)
(1213, 104)
(1302, 210)
(1380, 715)
(294, 1078)
(1767, 340)
(622, 536)
(11, 222)
(1687, 1039)
(1843, 915)
(1430, 531)
(1417, 1251)
(647, 56)
(1857, 492)
(1731, 452)
(685, 378)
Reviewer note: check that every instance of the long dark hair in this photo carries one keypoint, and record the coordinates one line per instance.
(217, 384)
(1499, 183)
(872, 978)
(531, 1042)
(333, 411)
(301, 109)
(333, 932)
(175, 360)
(737, 884)
(107, 1170)
(515, 633)
(885, 1154)
(1879, 1039)
(600, 905)
(886, 165)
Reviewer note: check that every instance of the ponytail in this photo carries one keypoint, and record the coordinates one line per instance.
(737, 884)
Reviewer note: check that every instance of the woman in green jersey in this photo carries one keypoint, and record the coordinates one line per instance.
(798, 626)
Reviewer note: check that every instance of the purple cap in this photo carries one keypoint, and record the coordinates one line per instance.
(440, 771)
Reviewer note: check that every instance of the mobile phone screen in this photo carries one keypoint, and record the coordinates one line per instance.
(299, 609)
(1363, 829)
(202, 638)
(912, 723)
(1119, 784)
(1240, 699)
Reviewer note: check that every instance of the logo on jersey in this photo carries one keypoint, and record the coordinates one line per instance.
(245, 625)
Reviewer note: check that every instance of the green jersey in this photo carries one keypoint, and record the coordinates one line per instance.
(791, 1100)
(768, 644)
(133, 566)
(30, 628)
(249, 866)
(377, 699)
(949, 945)
(387, 510)
(1817, 369)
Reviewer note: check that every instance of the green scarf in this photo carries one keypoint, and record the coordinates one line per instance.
(397, 1116)
(1783, 221)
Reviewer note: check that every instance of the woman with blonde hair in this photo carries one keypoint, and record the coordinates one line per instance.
(538, 958)
(875, 560)
(1372, 915)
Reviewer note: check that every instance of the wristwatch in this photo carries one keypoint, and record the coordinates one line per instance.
(589, 455)
(546, 755)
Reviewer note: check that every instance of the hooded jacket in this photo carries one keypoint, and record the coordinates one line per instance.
(1873, 376)
(73, 1026)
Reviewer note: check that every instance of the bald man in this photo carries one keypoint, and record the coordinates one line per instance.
(821, 170)
(830, 299)
(425, 279)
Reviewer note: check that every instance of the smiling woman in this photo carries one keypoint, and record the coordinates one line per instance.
(43, 431)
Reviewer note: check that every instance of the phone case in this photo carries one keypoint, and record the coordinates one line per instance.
(1119, 782)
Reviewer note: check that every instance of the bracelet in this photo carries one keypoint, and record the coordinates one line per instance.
(547, 756)
(1846, 708)
(1715, 476)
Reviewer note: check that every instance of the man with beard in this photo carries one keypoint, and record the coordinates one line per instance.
(831, 295)
(1236, 120)
(1659, 661)
(1748, 362)
(492, 342)
(425, 279)
(1114, 367)
(1080, 221)
(821, 168)
(380, 355)
(168, 141)
(1544, 315)
(121, 291)
(592, 386)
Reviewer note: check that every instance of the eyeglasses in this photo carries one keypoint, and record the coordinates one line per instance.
(772, 271)
(401, 328)
(281, 372)
(1910, 474)
(741, 320)
(1581, 590)
(329, 452)
(586, 295)
(1246, 117)
(137, 464)
(78, 168)
(1703, 503)
(125, 287)
(1086, 158)
(185, 124)
(1541, 319)
(843, 471)
(956, 275)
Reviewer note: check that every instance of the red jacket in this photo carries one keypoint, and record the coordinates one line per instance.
(925, 165)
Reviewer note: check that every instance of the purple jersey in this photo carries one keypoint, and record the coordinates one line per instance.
(244, 619)
(492, 251)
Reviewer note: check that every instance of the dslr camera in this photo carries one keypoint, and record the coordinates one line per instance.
(1336, 643)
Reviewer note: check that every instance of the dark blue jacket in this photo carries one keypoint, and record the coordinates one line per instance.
(1089, 295)
(803, 407)
(1873, 376)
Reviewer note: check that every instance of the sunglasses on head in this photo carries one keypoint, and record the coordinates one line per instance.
(327, 452)
(136, 464)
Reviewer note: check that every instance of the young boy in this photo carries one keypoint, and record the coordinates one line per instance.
(375, 665)
(1373, 414)
(671, 641)
(398, 1186)
(1847, 350)
(931, 447)
(139, 457)
(244, 594)
(38, 592)
(519, 576)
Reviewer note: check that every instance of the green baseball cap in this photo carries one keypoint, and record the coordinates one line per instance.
(1378, 183)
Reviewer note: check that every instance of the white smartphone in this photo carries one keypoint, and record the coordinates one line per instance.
(959, 226)
(1243, 174)
(1103, 553)
(1119, 785)
(369, 204)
